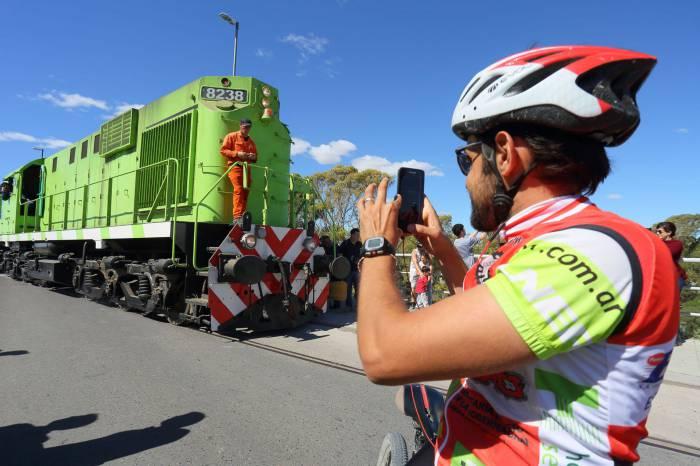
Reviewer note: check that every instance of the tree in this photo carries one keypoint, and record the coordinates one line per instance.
(339, 189)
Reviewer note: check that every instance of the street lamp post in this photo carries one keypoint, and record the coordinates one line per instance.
(40, 149)
(233, 23)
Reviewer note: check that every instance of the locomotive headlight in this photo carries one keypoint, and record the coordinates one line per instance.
(266, 102)
(225, 82)
(267, 92)
(249, 241)
(309, 244)
(260, 232)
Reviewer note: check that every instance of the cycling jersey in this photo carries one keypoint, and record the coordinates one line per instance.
(593, 296)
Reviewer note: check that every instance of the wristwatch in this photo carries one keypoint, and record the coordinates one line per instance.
(377, 246)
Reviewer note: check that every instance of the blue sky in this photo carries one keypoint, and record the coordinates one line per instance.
(370, 83)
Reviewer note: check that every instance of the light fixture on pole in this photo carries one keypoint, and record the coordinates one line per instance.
(233, 23)
(40, 149)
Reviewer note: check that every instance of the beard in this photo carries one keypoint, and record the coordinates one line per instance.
(483, 217)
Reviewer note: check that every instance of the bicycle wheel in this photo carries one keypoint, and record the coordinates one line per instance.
(393, 451)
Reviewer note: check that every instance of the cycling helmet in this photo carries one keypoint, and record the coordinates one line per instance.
(585, 90)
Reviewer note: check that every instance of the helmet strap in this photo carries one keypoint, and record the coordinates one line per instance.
(503, 199)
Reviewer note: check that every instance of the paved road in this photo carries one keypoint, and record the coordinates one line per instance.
(84, 384)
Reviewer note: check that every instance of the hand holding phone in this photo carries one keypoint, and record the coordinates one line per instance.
(411, 188)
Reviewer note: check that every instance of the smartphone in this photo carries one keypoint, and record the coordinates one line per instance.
(410, 187)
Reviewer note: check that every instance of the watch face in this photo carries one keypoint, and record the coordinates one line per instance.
(373, 244)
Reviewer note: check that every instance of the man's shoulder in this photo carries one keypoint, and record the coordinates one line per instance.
(592, 219)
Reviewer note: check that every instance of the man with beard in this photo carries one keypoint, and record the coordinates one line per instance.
(558, 349)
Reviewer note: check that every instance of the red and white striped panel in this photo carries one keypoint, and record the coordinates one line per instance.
(227, 300)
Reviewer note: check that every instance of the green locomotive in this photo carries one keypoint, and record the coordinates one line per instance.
(137, 214)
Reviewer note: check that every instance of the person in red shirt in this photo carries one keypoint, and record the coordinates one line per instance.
(238, 146)
(423, 288)
(666, 231)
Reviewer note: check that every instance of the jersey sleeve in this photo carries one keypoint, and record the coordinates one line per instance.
(566, 289)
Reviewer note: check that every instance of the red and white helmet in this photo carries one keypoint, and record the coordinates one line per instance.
(590, 91)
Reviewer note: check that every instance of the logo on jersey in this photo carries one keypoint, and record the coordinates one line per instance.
(656, 359)
(483, 266)
(657, 374)
(509, 384)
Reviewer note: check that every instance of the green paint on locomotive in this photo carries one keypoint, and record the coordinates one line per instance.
(141, 165)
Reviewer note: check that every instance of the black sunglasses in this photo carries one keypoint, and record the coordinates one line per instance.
(463, 160)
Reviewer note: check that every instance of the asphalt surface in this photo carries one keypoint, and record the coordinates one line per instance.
(85, 384)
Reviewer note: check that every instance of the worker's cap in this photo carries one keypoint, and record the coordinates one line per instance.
(246, 122)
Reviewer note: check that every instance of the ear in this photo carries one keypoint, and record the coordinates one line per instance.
(509, 156)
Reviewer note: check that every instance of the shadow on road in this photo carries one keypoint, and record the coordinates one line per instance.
(26, 441)
(13, 353)
(332, 319)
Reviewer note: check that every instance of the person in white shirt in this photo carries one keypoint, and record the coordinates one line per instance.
(464, 243)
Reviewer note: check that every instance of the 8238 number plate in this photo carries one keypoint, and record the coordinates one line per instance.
(217, 93)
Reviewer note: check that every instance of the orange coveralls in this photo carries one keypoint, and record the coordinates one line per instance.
(233, 144)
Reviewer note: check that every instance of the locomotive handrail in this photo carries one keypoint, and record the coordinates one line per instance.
(196, 208)
(108, 179)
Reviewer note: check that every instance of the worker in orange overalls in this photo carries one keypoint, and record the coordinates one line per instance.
(238, 146)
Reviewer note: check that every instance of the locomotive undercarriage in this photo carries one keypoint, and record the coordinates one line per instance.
(152, 286)
(122, 274)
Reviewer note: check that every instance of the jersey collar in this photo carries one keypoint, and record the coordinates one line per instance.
(550, 210)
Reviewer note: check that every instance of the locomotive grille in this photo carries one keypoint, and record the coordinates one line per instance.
(119, 133)
(169, 140)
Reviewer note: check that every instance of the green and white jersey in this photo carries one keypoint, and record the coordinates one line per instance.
(594, 297)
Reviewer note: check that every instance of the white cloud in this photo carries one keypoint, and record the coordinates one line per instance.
(53, 143)
(681, 130)
(300, 146)
(13, 136)
(308, 45)
(71, 101)
(614, 196)
(380, 163)
(329, 67)
(121, 108)
(263, 53)
(331, 153)
(48, 143)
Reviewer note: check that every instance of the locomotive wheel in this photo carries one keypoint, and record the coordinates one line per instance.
(270, 314)
(175, 314)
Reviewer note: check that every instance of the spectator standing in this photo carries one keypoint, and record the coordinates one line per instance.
(414, 269)
(667, 232)
(327, 244)
(426, 261)
(351, 250)
(423, 287)
(465, 244)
